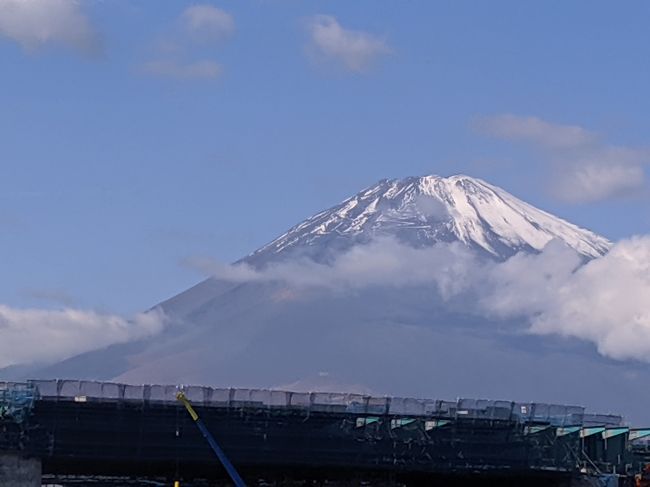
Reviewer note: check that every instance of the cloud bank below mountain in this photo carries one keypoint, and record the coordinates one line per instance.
(44, 336)
(605, 301)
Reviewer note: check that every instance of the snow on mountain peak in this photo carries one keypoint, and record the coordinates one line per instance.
(424, 210)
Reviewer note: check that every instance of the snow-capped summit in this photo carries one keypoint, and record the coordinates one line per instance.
(424, 210)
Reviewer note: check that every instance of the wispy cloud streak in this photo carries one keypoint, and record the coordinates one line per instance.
(584, 167)
(182, 55)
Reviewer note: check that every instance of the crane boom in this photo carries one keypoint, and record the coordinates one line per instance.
(232, 472)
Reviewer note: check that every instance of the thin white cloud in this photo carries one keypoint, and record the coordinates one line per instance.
(536, 130)
(207, 22)
(210, 267)
(182, 55)
(585, 169)
(45, 336)
(355, 50)
(605, 174)
(167, 68)
(605, 301)
(56, 296)
(36, 23)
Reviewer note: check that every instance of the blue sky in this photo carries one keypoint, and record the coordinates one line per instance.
(135, 134)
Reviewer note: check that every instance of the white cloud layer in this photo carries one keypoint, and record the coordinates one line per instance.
(354, 50)
(207, 23)
(44, 336)
(605, 301)
(205, 69)
(585, 169)
(384, 261)
(36, 23)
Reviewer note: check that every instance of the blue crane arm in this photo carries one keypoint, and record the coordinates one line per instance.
(232, 471)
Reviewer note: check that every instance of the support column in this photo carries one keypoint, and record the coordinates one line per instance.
(18, 471)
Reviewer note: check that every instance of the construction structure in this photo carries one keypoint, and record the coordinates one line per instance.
(67, 432)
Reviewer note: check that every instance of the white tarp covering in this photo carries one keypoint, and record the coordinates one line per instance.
(315, 401)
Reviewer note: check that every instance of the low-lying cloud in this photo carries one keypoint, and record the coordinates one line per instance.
(605, 301)
(45, 336)
(585, 168)
(384, 261)
(36, 23)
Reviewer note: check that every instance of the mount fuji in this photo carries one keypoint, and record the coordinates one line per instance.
(258, 326)
(421, 211)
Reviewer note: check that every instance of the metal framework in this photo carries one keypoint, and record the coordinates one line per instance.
(99, 428)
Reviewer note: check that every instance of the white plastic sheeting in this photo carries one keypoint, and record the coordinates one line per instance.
(316, 401)
(555, 414)
(608, 420)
